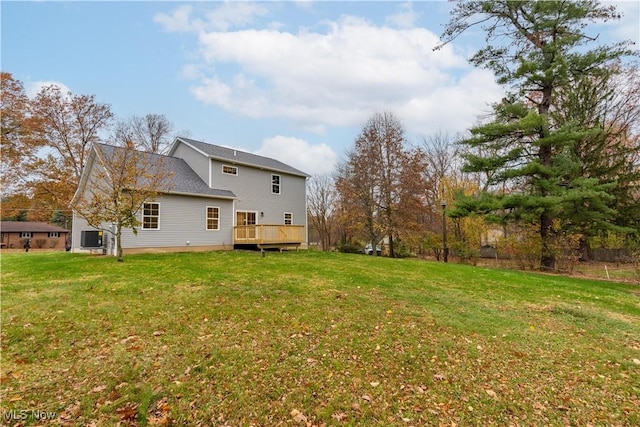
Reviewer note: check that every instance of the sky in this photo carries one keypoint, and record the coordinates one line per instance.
(291, 80)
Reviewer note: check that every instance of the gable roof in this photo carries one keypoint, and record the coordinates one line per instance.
(184, 180)
(241, 157)
(27, 226)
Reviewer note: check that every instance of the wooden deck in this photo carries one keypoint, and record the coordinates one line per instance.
(265, 235)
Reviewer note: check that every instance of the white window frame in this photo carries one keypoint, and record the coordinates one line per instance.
(54, 234)
(150, 216)
(289, 220)
(26, 235)
(217, 208)
(273, 184)
(235, 168)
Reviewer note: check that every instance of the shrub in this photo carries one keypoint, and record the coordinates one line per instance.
(349, 247)
(39, 243)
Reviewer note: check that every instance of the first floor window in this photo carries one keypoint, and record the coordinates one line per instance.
(151, 216)
(213, 218)
(54, 234)
(25, 235)
(275, 184)
(288, 218)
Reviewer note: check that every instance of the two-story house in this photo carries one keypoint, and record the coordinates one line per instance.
(219, 198)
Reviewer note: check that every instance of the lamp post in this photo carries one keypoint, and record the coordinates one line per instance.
(445, 248)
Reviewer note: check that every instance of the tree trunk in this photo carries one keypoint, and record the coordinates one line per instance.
(548, 257)
(119, 243)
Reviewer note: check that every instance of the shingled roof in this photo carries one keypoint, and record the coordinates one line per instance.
(243, 158)
(184, 180)
(27, 226)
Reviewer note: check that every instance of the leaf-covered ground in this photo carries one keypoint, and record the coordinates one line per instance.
(307, 338)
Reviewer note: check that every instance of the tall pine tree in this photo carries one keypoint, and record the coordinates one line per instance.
(540, 48)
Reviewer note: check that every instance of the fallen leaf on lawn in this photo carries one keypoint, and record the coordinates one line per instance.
(298, 416)
(158, 333)
(339, 416)
(98, 389)
(366, 397)
(15, 398)
(439, 377)
(374, 383)
(130, 338)
(128, 412)
(636, 361)
(492, 393)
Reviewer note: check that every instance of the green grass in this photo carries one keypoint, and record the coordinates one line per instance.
(231, 338)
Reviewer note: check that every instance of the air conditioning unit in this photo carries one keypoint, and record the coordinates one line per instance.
(91, 239)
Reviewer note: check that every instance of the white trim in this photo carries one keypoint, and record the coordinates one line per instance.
(235, 168)
(142, 215)
(285, 218)
(206, 225)
(279, 184)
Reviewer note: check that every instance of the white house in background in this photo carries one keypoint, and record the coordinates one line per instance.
(220, 198)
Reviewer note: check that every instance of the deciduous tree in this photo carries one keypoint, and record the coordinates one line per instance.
(63, 126)
(14, 144)
(379, 181)
(122, 181)
(321, 205)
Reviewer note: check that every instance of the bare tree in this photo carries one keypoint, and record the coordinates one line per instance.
(151, 133)
(321, 207)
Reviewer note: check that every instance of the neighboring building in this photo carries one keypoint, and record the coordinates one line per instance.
(40, 235)
(219, 198)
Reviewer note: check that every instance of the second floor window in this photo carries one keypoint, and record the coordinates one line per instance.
(151, 216)
(275, 184)
(229, 170)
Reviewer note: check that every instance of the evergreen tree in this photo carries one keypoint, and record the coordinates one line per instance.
(542, 48)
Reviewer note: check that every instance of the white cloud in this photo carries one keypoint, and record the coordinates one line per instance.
(340, 77)
(32, 88)
(312, 159)
(406, 17)
(228, 15)
(335, 73)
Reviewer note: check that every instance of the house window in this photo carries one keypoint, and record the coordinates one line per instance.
(151, 216)
(54, 234)
(26, 235)
(213, 218)
(288, 218)
(229, 170)
(275, 184)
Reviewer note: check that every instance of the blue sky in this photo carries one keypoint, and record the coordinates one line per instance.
(294, 80)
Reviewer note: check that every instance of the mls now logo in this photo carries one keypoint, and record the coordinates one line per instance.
(23, 414)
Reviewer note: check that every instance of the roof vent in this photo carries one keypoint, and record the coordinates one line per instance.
(234, 153)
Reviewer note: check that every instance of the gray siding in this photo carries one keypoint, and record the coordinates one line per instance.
(196, 160)
(252, 186)
(182, 220)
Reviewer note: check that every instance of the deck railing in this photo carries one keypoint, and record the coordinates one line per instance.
(264, 234)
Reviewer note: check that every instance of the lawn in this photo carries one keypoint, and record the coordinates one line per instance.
(309, 338)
